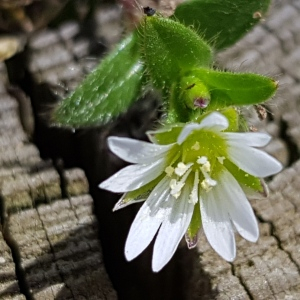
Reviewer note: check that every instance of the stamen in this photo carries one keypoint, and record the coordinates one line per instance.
(176, 186)
(173, 183)
(208, 184)
(169, 170)
(182, 168)
(176, 191)
(221, 159)
(202, 160)
(206, 167)
(196, 146)
(194, 193)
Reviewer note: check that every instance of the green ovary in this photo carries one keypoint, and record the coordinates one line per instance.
(205, 143)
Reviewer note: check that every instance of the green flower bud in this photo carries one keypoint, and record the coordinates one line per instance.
(194, 93)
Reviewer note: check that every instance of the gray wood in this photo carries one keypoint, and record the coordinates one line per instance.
(48, 211)
(54, 240)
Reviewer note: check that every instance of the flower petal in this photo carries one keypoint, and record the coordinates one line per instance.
(217, 225)
(214, 121)
(254, 139)
(172, 230)
(253, 161)
(185, 132)
(237, 206)
(133, 177)
(135, 151)
(148, 220)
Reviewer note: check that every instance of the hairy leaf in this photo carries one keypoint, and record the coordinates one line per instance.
(169, 49)
(228, 89)
(222, 22)
(106, 92)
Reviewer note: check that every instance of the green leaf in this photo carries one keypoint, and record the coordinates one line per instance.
(170, 49)
(228, 89)
(106, 92)
(222, 22)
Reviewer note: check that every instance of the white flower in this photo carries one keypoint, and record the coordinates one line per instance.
(197, 179)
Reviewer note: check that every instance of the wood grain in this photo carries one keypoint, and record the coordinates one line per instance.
(47, 213)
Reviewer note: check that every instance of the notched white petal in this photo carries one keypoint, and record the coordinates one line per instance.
(133, 177)
(253, 139)
(172, 231)
(238, 207)
(217, 225)
(253, 161)
(215, 121)
(135, 151)
(148, 219)
(186, 131)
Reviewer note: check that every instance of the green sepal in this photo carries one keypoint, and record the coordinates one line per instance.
(167, 135)
(138, 195)
(106, 92)
(233, 118)
(228, 88)
(222, 22)
(177, 108)
(170, 49)
(242, 177)
(191, 235)
(170, 132)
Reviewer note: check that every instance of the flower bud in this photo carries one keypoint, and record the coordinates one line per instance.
(194, 93)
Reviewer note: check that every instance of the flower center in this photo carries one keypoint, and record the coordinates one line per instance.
(198, 162)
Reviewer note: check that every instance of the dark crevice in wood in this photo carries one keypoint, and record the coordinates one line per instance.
(24, 108)
(291, 145)
(242, 283)
(13, 246)
(59, 166)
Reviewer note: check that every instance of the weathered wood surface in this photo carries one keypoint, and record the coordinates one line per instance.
(49, 247)
(48, 213)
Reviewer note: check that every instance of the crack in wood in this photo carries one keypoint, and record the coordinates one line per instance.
(54, 256)
(13, 246)
(242, 283)
(291, 145)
